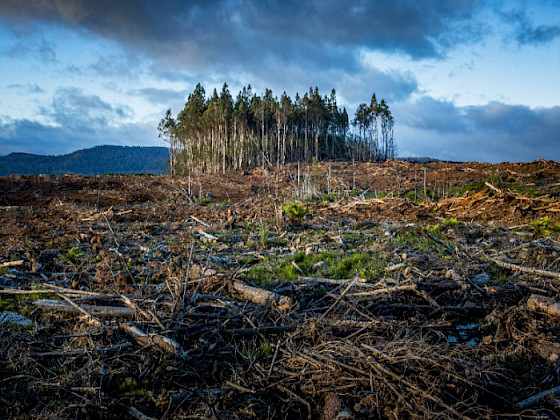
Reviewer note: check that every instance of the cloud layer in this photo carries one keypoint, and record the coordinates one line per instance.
(145, 50)
(493, 132)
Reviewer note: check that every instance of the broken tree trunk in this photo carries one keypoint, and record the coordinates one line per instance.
(165, 343)
(262, 296)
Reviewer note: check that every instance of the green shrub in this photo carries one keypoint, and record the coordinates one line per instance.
(545, 226)
(295, 212)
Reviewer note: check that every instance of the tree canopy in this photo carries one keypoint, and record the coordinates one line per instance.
(218, 133)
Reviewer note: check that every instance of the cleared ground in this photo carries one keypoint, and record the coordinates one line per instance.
(407, 291)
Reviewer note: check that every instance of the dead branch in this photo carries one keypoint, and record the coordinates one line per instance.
(165, 343)
(262, 296)
(524, 269)
(538, 303)
(536, 398)
(103, 311)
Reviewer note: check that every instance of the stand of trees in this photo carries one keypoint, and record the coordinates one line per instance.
(219, 133)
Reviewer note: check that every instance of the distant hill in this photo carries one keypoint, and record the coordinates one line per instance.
(95, 161)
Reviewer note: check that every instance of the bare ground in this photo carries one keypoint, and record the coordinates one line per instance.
(410, 291)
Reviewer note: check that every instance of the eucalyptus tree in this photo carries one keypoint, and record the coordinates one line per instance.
(217, 134)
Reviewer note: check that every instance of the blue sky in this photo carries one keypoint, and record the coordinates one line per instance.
(465, 80)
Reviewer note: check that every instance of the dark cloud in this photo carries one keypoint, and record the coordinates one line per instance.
(72, 108)
(432, 115)
(494, 132)
(322, 32)
(33, 137)
(160, 96)
(525, 33)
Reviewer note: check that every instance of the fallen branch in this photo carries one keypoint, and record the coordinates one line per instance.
(536, 398)
(12, 263)
(523, 269)
(137, 414)
(165, 343)
(102, 311)
(384, 290)
(413, 387)
(538, 303)
(323, 280)
(262, 296)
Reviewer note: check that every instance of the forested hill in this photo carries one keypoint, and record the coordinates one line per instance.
(95, 161)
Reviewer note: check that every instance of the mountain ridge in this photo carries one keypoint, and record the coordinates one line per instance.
(93, 161)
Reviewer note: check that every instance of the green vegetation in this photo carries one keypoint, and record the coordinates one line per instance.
(545, 226)
(295, 212)
(217, 133)
(335, 265)
(203, 201)
(73, 255)
(132, 388)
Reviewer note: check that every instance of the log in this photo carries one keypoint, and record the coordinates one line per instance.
(536, 398)
(539, 303)
(165, 343)
(262, 296)
(102, 311)
(12, 263)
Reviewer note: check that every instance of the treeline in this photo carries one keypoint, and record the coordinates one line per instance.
(217, 134)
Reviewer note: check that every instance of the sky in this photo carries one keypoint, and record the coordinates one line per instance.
(465, 80)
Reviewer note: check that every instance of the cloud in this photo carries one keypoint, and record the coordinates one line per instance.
(159, 96)
(27, 88)
(110, 65)
(33, 137)
(322, 32)
(73, 108)
(525, 33)
(493, 132)
(38, 48)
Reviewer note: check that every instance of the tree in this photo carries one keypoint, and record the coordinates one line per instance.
(217, 134)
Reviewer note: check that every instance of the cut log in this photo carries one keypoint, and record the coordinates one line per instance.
(262, 296)
(102, 311)
(543, 304)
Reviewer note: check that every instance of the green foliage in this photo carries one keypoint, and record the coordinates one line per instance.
(132, 388)
(3, 270)
(415, 240)
(295, 212)
(451, 222)
(73, 255)
(263, 235)
(217, 133)
(544, 226)
(434, 230)
(203, 201)
(338, 265)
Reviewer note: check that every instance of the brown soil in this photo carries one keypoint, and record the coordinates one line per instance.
(451, 253)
